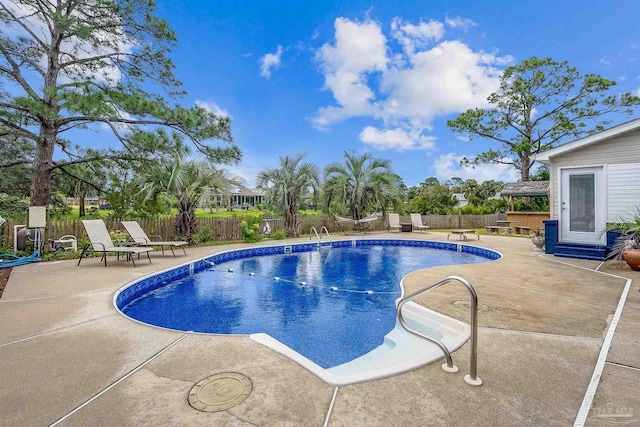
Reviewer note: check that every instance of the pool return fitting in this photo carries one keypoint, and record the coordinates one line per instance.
(471, 378)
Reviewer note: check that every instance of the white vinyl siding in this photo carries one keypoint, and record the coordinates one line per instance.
(616, 151)
(623, 195)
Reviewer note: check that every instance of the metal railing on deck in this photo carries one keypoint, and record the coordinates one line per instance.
(472, 378)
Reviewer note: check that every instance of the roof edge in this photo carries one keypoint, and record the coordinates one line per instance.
(629, 126)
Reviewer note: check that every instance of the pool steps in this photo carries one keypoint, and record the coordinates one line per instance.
(400, 351)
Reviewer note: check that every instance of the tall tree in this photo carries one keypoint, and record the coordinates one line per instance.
(80, 64)
(187, 181)
(540, 104)
(361, 185)
(284, 186)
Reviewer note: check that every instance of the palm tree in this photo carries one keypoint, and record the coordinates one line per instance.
(187, 182)
(361, 185)
(284, 186)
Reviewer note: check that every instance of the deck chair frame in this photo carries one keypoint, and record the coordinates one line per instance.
(100, 241)
(416, 222)
(393, 222)
(140, 237)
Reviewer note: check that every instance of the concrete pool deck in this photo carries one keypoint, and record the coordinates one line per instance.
(67, 355)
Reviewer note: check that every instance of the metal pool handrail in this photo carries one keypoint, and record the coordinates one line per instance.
(472, 378)
(319, 236)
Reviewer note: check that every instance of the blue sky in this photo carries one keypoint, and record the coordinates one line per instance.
(381, 76)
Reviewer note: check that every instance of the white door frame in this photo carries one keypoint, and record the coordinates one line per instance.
(599, 235)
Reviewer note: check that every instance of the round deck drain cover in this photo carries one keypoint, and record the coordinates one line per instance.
(220, 392)
(466, 305)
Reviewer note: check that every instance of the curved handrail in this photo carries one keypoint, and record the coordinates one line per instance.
(473, 297)
(313, 230)
(326, 231)
(319, 236)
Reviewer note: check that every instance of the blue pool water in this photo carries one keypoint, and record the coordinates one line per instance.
(328, 326)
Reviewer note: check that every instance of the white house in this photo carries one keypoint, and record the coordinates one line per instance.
(244, 197)
(594, 180)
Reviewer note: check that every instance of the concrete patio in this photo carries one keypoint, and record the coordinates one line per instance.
(68, 357)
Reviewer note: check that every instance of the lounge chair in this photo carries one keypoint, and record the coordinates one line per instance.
(362, 222)
(100, 241)
(140, 237)
(394, 222)
(416, 221)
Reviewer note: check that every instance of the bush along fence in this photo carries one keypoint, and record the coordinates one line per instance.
(229, 229)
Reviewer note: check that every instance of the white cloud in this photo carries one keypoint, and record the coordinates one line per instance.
(412, 36)
(459, 22)
(448, 166)
(359, 49)
(269, 61)
(446, 79)
(622, 78)
(605, 61)
(396, 139)
(212, 107)
(404, 90)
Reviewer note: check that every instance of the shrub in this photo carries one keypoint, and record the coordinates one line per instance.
(277, 235)
(250, 227)
(13, 207)
(204, 235)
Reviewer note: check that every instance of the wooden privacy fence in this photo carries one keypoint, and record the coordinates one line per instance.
(224, 229)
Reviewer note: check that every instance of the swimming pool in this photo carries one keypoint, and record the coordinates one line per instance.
(331, 305)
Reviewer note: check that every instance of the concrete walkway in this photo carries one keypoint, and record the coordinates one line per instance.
(67, 356)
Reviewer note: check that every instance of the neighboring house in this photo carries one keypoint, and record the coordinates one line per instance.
(594, 180)
(461, 199)
(90, 201)
(247, 197)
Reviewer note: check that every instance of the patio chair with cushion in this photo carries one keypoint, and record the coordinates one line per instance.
(140, 237)
(416, 221)
(100, 241)
(394, 222)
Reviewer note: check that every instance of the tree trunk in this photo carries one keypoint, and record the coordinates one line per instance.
(525, 168)
(42, 166)
(81, 211)
(186, 223)
(524, 174)
(291, 221)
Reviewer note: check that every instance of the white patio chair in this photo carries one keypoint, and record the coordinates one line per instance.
(394, 222)
(416, 221)
(100, 241)
(140, 237)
